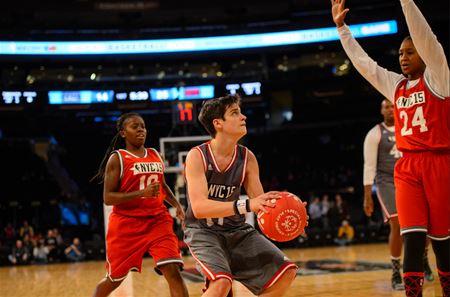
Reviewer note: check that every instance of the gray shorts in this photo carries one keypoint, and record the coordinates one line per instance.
(242, 254)
(386, 196)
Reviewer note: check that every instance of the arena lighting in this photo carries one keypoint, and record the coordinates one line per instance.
(156, 46)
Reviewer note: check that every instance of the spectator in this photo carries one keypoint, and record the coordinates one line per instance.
(325, 207)
(315, 213)
(338, 211)
(28, 244)
(345, 234)
(10, 234)
(74, 252)
(50, 243)
(26, 229)
(19, 255)
(40, 252)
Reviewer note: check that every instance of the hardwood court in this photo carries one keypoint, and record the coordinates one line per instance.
(79, 279)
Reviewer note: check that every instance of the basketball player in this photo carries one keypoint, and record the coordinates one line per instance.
(140, 222)
(224, 246)
(380, 155)
(422, 131)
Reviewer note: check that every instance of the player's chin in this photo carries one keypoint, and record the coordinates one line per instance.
(140, 141)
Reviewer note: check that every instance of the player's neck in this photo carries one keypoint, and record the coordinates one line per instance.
(389, 123)
(222, 146)
(138, 151)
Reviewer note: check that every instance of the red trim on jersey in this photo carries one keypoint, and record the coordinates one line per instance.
(245, 165)
(203, 157)
(210, 153)
(233, 159)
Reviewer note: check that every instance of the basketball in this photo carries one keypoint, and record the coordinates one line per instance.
(286, 220)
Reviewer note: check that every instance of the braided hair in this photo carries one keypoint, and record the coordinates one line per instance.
(116, 143)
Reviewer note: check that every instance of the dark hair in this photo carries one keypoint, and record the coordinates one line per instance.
(215, 109)
(407, 38)
(116, 143)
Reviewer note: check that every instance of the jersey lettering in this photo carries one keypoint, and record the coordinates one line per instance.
(220, 191)
(147, 167)
(413, 99)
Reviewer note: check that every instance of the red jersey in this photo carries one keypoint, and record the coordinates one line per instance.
(422, 119)
(136, 173)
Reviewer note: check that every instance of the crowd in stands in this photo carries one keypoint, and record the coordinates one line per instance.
(22, 246)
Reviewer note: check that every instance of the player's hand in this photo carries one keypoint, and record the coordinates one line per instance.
(263, 201)
(368, 203)
(180, 213)
(338, 12)
(152, 190)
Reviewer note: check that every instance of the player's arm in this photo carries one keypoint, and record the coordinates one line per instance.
(111, 194)
(428, 47)
(370, 167)
(383, 80)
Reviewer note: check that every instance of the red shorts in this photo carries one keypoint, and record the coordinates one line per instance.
(422, 185)
(129, 238)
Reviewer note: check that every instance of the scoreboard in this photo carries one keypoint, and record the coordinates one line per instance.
(181, 101)
(110, 96)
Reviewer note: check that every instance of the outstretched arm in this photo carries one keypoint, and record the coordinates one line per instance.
(428, 47)
(383, 80)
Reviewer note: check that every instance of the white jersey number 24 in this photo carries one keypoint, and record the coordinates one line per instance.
(417, 120)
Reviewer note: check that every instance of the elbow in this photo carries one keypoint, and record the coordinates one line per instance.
(107, 200)
(198, 212)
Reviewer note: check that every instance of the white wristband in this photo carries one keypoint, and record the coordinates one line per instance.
(241, 206)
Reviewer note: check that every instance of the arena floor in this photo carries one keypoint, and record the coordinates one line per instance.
(359, 270)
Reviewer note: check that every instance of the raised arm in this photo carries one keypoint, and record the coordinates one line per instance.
(383, 80)
(428, 47)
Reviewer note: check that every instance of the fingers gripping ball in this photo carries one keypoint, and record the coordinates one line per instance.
(286, 220)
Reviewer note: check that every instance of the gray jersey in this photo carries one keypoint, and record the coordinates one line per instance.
(387, 155)
(222, 186)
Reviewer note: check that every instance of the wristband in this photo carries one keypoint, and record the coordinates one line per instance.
(247, 205)
(236, 211)
(241, 206)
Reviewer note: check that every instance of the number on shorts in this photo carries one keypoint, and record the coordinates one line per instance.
(417, 120)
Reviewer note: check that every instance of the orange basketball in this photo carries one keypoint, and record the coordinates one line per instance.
(286, 220)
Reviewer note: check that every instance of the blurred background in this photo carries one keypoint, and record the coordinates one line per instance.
(308, 109)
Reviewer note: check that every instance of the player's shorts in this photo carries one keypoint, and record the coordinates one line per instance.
(242, 254)
(423, 193)
(386, 195)
(129, 238)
